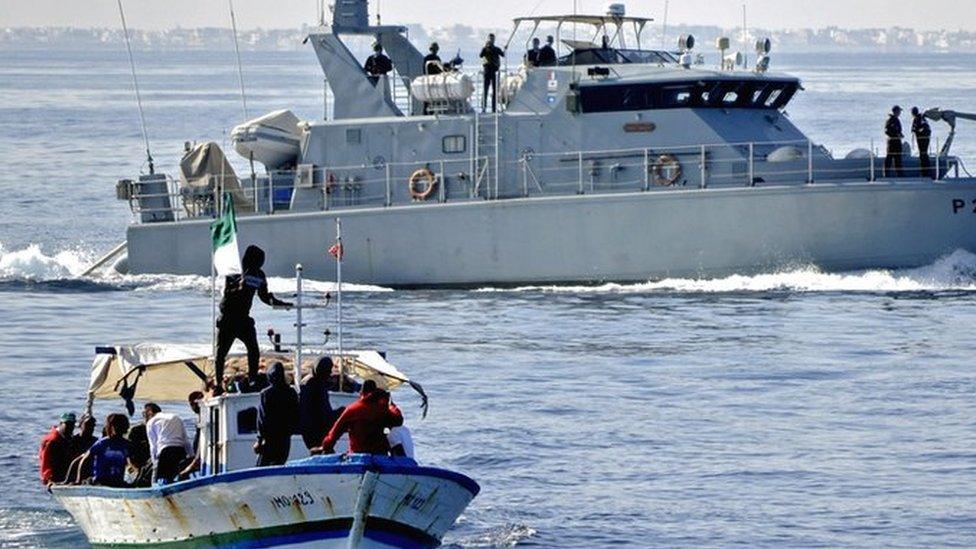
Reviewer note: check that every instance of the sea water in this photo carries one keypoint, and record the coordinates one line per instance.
(793, 408)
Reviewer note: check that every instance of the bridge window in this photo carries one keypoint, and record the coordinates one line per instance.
(724, 94)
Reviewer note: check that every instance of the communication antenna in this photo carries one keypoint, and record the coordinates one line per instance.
(379, 19)
(664, 27)
(135, 84)
(237, 50)
(745, 38)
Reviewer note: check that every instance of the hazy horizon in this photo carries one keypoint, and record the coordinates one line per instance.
(781, 14)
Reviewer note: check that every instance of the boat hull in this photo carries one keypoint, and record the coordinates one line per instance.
(320, 502)
(596, 238)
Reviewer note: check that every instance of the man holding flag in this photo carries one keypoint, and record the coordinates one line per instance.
(242, 279)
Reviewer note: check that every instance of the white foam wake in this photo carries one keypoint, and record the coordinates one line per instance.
(31, 264)
(956, 271)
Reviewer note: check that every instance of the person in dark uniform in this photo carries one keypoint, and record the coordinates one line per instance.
(378, 64)
(532, 56)
(893, 132)
(235, 321)
(923, 136)
(432, 61)
(547, 54)
(491, 61)
(315, 410)
(277, 419)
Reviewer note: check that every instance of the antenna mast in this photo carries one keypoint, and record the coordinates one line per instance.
(745, 38)
(237, 49)
(135, 84)
(664, 29)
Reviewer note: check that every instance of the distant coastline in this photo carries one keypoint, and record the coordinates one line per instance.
(467, 38)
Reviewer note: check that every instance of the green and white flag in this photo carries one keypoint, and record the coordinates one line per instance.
(223, 233)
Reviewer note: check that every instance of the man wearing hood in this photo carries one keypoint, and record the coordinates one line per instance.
(235, 320)
(316, 414)
(365, 421)
(277, 418)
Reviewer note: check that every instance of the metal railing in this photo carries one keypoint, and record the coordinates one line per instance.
(489, 177)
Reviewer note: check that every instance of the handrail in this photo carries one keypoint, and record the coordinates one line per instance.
(485, 175)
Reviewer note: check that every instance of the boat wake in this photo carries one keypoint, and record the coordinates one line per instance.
(954, 272)
(30, 269)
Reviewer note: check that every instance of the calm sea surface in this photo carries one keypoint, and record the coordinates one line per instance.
(793, 408)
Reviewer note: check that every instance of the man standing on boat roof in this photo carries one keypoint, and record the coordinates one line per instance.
(491, 61)
(235, 320)
(894, 134)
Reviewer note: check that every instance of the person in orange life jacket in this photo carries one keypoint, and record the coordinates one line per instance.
(235, 321)
(365, 421)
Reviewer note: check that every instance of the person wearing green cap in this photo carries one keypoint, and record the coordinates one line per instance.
(55, 453)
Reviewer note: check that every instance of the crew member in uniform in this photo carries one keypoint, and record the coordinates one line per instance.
(378, 64)
(893, 131)
(923, 136)
(532, 56)
(235, 320)
(432, 61)
(547, 54)
(491, 62)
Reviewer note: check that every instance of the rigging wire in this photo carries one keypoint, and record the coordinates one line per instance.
(237, 49)
(135, 84)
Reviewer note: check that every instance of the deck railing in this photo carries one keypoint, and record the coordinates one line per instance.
(531, 174)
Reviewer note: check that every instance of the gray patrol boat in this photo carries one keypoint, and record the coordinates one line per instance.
(615, 163)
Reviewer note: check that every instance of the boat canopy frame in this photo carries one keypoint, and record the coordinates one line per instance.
(599, 22)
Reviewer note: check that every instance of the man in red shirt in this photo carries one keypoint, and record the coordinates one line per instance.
(55, 454)
(365, 421)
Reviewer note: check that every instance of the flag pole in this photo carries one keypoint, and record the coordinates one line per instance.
(339, 284)
(213, 300)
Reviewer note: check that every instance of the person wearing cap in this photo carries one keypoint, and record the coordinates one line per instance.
(432, 61)
(923, 135)
(55, 452)
(547, 54)
(894, 134)
(378, 64)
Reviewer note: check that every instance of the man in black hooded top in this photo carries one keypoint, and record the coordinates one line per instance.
(277, 418)
(316, 414)
(235, 320)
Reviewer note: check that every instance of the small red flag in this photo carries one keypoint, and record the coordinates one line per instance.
(336, 251)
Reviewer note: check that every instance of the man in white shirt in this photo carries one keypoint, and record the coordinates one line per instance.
(169, 445)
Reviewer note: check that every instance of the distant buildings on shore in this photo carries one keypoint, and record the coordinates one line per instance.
(468, 39)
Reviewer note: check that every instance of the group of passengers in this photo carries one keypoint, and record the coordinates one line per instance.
(282, 413)
(157, 450)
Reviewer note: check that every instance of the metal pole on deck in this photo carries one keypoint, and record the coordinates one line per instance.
(938, 153)
(703, 184)
(752, 166)
(809, 161)
(872, 161)
(342, 360)
(297, 367)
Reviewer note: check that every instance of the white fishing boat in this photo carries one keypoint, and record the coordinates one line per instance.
(356, 500)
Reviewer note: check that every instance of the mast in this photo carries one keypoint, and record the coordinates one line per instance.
(297, 366)
(237, 49)
(135, 84)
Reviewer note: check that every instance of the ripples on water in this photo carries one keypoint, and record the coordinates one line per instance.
(796, 408)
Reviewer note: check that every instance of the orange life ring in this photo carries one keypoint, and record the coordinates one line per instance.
(423, 174)
(666, 170)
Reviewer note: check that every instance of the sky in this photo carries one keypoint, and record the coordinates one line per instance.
(770, 14)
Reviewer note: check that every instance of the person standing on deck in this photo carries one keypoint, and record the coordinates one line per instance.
(365, 421)
(491, 62)
(923, 135)
(277, 419)
(235, 320)
(55, 452)
(547, 54)
(169, 444)
(532, 56)
(316, 413)
(378, 64)
(894, 134)
(432, 61)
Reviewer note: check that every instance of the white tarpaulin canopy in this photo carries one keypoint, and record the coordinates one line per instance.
(164, 372)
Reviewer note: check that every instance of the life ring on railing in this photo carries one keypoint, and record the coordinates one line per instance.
(666, 170)
(426, 176)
